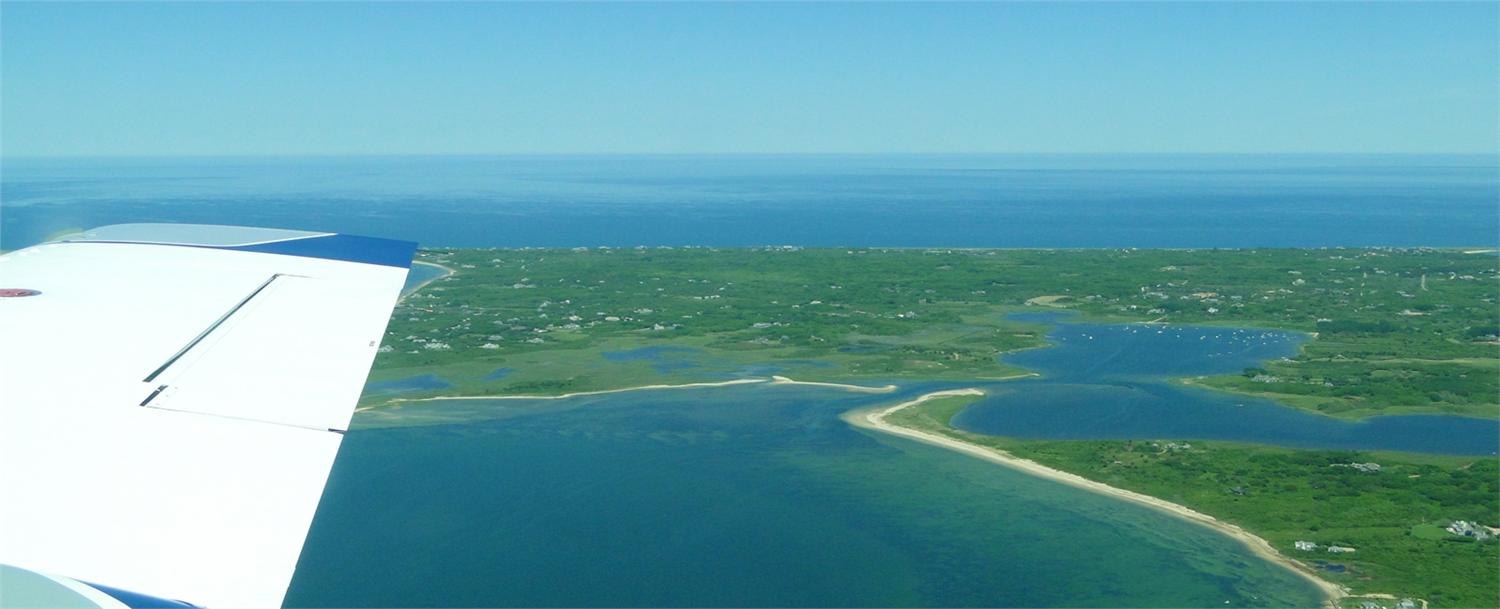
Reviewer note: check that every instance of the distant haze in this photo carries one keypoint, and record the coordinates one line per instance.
(481, 78)
(811, 200)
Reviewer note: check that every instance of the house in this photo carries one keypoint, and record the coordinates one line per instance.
(1468, 529)
(1305, 546)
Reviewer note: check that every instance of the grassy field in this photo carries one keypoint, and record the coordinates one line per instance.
(1392, 518)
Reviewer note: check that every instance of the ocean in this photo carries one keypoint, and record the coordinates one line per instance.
(1193, 201)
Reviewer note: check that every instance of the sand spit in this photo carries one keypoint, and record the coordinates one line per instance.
(580, 393)
(775, 380)
(875, 419)
(781, 380)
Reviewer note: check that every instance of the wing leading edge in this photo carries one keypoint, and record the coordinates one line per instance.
(173, 397)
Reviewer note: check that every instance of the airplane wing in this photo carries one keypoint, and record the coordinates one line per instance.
(172, 398)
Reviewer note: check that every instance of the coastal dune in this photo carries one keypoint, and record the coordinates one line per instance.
(875, 420)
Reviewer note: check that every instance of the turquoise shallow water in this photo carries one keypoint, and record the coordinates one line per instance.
(736, 496)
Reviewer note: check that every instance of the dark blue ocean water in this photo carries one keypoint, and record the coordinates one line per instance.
(957, 201)
(1111, 381)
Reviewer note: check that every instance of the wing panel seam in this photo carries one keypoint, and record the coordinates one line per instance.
(209, 330)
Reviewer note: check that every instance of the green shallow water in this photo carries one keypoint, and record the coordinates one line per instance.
(736, 496)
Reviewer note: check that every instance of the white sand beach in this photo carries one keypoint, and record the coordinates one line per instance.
(781, 380)
(581, 393)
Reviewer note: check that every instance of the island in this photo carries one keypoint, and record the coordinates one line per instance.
(1386, 332)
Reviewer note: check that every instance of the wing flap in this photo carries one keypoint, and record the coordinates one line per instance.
(273, 347)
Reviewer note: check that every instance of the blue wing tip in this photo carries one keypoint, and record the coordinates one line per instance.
(350, 248)
(330, 246)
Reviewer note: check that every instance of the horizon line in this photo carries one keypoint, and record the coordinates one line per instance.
(269, 155)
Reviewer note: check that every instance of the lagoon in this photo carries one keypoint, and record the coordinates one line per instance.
(1113, 381)
(411, 383)
(751, 495)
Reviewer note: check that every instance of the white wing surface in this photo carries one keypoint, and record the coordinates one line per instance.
(172, 398)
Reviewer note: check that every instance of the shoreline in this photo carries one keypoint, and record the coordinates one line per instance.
(576, 393)
(774, 380)
(447, 272)
(874, 419)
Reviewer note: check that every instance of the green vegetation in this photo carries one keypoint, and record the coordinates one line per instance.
(1354, 389)
(1431, 532)
(932, 415)
(1287, 495)
(1397, 330)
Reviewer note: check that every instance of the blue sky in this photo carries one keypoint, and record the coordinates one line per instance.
(332, 78)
